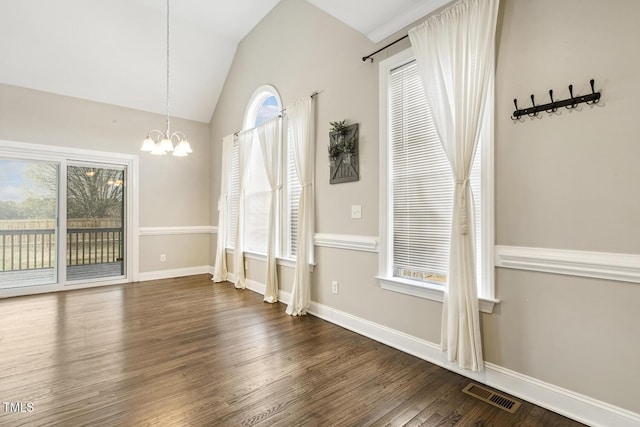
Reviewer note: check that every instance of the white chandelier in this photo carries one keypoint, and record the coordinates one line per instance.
(158, 142)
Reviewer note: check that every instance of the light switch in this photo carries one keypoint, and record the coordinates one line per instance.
(356, 211)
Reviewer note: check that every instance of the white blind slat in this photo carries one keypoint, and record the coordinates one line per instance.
(293, 199)
(233, 198)
(421, 183)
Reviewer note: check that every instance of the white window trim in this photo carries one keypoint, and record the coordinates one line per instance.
(255, 102)
(285, 262)
(427, 291)
(419, 289)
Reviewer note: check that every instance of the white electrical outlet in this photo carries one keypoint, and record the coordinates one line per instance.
(356, 211)
(163, 257)
(334, 287)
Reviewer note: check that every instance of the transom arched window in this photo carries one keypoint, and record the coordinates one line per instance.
(263, 105)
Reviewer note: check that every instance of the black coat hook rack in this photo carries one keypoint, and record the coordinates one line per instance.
(553, 106)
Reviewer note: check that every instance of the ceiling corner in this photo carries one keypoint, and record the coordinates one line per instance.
(404, 18)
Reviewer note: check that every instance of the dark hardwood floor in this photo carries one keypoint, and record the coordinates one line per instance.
(188, 352)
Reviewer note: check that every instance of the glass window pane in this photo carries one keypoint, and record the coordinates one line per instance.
(95, 222)
(28, 206)
(267, 110)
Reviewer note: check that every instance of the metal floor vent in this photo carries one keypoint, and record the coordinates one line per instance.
(492, 398)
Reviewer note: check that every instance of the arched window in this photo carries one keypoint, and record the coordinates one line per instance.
(264, 104)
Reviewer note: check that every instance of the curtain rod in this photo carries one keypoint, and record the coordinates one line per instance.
(313, 95)
(370, 56)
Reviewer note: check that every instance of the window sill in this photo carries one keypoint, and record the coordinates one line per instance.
(427, 291)
(285, 262)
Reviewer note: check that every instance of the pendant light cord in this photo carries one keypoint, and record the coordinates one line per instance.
(168, 132)
(158, 142)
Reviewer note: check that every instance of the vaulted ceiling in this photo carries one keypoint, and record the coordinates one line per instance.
(115, 51)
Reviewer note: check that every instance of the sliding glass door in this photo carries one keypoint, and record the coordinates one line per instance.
(28, 223)
(62, 222)
(95, 211)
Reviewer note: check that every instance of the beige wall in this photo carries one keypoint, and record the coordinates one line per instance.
(298, 57)
(173, 191)
(567, 181)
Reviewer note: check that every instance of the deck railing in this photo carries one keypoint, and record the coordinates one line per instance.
(27, 249)
(94, 245)
(36, 248)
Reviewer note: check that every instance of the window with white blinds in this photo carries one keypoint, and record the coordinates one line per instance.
(292, 195)
(233, 198)
(264, 105)
(420, 185)
(257, 196)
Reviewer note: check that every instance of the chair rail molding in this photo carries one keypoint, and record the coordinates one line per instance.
(347, 241)
(190, 229)
(599, 265)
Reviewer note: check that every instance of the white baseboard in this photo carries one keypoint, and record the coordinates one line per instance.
(256, 286)
(178, 272)
(557, 399)
(566, 402)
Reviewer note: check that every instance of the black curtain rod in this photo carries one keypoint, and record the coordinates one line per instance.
(370, 56)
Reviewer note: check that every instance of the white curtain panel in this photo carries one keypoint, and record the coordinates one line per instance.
(244, 151)
(220, 267)
(301, 125)
(455, 55)
(269, 137)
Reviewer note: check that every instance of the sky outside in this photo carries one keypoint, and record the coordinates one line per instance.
(268, 109)
(17, 183)
(11, 180)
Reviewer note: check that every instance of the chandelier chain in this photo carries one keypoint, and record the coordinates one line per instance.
(168, 133)
(159, 142)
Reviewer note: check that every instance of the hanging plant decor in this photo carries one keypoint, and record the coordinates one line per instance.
(343, 152)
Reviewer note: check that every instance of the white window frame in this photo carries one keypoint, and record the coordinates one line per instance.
(486, 287)
(255, 102)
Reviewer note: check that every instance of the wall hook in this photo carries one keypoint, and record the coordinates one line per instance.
(517, 116)
(553, 108)
(593, 92)
(533, 104)
(573, 103)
